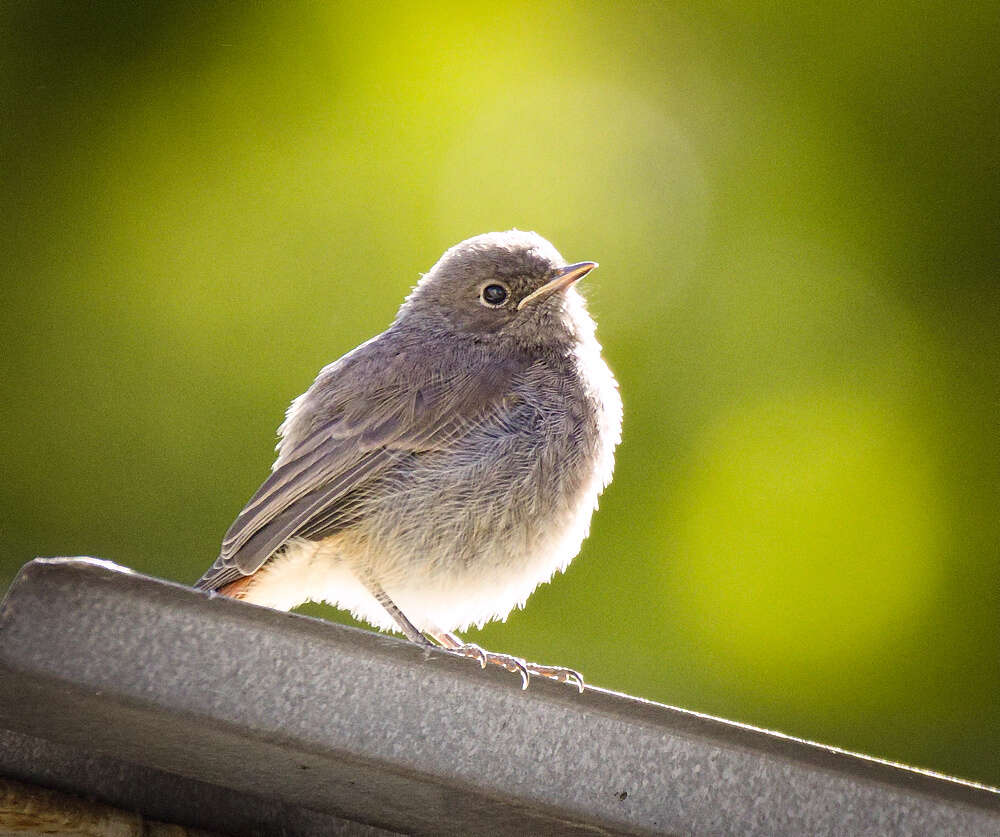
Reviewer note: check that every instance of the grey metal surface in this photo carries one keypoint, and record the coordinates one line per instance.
(221, 715)
(159, 795)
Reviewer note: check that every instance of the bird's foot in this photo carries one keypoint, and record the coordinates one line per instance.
(557, 673)
(516, 665)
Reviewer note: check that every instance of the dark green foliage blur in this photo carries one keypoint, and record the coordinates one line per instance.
(795, 208)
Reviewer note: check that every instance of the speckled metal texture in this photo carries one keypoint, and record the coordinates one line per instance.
(217, 714)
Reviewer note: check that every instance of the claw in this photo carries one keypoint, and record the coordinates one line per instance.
(505, 661)
(476, 652)
(559, 674)
(519, 667)
(453, 643)
(472, 651)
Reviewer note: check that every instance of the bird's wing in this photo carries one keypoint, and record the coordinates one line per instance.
(361, 416)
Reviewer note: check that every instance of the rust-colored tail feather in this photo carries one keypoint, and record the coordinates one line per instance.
(236, 589)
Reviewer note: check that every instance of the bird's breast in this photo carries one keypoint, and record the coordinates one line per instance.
(513, 494)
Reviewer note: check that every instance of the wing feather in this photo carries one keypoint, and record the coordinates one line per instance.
(361, 416)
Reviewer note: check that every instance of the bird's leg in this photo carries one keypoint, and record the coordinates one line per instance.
(455, 643)
(405, 625)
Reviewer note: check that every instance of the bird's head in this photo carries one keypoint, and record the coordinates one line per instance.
(509, 288)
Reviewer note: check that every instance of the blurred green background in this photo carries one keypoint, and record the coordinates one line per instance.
(795, 207)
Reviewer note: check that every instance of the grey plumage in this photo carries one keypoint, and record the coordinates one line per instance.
(453, 461)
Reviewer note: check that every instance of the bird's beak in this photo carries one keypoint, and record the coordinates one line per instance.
(562, 280)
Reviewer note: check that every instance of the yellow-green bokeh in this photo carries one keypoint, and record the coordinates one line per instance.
(808, 514)
(794, 208)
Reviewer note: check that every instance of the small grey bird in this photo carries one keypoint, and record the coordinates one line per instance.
(433, 477)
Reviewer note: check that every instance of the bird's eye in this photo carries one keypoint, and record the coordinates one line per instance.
(494, 295)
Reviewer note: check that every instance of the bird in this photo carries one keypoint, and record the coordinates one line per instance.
(433, 477)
